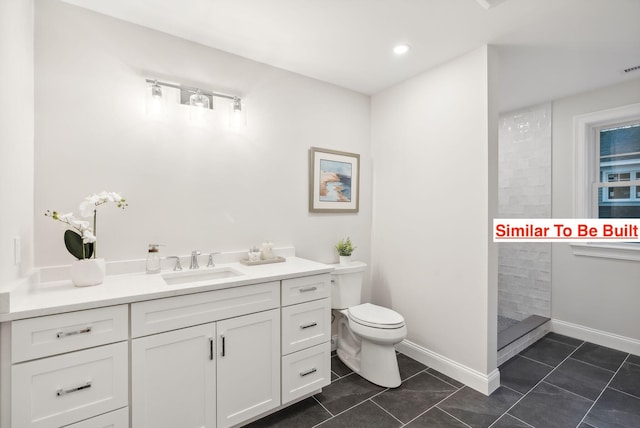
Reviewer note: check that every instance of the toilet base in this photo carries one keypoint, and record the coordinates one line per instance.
(375, 362)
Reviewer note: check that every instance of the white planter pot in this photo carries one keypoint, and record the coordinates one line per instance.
(345, 260)
(87, 272)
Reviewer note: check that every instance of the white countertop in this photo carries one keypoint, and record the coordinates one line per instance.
(47, 298)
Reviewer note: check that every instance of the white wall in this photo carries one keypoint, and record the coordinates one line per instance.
(601, 294)
(16, 136)
(189, 187)
(434, 144)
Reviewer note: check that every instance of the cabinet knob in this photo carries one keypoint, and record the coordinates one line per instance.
(311, 324)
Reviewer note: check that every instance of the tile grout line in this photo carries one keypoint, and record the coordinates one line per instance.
(322, 405)
(511, 389)
(352, 407)
(386, 411)
(459, 420)
(540, 362)
(559, 341)
(539, 382)
(592, 365)
(440, 379)
(436, 405)
(412, 376)
(367, 399)
(514, 417)
(625, 393)
(566, 390)
(603, 390)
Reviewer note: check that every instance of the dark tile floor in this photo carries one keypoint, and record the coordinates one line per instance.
(557, 382)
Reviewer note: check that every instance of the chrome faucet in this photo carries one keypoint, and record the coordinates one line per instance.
(210, 263)
(194, 260)
(177, 265)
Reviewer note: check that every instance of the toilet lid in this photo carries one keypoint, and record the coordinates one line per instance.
(375, 316)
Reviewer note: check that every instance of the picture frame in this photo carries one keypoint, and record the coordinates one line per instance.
(334, 181)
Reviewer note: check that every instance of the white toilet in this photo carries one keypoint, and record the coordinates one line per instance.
(367, 333)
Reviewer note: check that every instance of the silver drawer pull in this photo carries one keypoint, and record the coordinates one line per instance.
(62, 334)
(311, 324)
(308, 372)
(305, 290)
(62, 392)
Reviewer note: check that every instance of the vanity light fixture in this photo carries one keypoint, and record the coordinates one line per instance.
(156, 103)
(199, 100)
(237, 114)
(401, 49)
(198, 107)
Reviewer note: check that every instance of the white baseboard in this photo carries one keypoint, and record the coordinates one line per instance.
(485, 384)
(599, 337)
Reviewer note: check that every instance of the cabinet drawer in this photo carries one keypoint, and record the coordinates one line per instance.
(305, 289)
(56, 334)
(304, 325)
(68, 388)
(117, 419)
(306, 371)
(160, 315)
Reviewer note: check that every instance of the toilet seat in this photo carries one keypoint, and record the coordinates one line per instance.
(375, 316)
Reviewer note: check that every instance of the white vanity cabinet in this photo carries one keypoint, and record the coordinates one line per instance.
(69, 367)
(209, 375)
(306, 335)
(212, 356)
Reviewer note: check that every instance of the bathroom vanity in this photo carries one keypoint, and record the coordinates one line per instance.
(137, 351)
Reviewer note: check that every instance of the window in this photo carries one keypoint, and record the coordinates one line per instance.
(618, 171)
(607, 174)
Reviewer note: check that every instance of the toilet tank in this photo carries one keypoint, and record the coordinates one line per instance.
(346, 285)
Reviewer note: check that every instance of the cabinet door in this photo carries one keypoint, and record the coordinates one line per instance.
(173, 379)
(248, 364)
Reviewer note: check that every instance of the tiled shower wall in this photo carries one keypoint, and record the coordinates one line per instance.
(524, 176)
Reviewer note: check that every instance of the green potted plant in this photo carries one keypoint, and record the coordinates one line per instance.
(345, 248)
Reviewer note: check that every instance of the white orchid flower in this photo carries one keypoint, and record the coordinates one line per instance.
(80, 224)
(86, 208)
(94, 199)
(88, 237)
(65, 217)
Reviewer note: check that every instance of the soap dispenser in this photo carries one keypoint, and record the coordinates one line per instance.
(153, 259)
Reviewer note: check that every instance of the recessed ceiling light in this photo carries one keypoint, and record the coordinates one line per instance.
(401, 49)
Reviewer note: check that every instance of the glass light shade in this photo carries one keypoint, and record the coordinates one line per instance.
(156, 102)
(199, 106)
(199, 100)
(237, 114)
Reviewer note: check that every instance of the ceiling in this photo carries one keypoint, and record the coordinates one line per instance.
(548, 48)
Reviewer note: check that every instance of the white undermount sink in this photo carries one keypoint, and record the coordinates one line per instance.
(204, 274)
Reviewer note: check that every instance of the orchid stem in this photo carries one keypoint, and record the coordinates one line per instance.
(95, 213)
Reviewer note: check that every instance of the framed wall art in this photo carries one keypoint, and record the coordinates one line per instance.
(334, 181)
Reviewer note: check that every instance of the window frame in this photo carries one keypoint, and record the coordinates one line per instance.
(587, 179)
